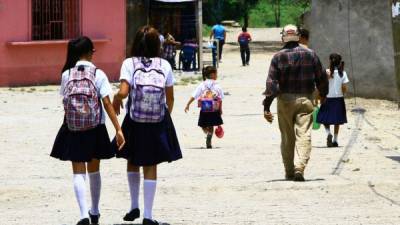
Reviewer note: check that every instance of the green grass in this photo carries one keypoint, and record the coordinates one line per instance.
(206, 30)
(263, 14)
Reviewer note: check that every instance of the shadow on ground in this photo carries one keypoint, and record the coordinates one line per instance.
(395, 158)
(307, 180)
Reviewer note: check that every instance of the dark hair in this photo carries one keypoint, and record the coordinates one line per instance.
(336, 63)
(207, 71)
(304, 33)
(244, 29)
(76, 49)
(146, 43)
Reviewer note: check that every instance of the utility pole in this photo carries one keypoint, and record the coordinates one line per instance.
(199, 16)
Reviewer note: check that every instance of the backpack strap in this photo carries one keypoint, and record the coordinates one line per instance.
(130, 89)
(100, 102)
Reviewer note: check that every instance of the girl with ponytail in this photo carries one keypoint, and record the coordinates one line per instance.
(85, 146)
(333, 110)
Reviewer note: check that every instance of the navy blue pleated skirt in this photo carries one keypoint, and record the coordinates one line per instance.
(149, 144)
(332, 112)
(82, 146)
(210, 119)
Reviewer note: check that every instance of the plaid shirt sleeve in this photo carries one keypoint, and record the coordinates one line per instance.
(321, 78)
(272, 85)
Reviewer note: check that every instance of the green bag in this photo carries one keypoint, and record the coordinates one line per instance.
(316, 125)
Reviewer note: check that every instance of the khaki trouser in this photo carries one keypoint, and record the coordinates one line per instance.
(295, 122)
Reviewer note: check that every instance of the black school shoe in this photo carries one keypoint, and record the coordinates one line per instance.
(335, 144)
(84, 222)
(329, 141)
(94, 219)
(132, 215)
(151, 222)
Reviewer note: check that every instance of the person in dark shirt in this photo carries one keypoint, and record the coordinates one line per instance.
(294, 73)
(244, 39)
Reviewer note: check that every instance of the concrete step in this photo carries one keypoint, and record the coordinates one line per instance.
(256, 46)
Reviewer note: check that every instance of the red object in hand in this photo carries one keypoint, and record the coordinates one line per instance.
(219, 132)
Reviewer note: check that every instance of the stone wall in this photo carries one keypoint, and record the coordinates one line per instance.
(362, 30)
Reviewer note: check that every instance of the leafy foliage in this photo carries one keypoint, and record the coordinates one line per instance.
(257, 13)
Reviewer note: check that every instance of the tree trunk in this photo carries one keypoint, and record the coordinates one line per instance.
(277, 12)
(246, 15)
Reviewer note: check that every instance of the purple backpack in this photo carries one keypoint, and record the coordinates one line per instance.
(81, 102)
(147, 96)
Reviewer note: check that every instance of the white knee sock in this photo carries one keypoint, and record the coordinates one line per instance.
(328, 130)
(134, 186)
(80, 193)
(95, 189)
(335, 137)
(149, 193)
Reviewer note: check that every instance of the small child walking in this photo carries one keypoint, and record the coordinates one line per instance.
(209, 95)
(333, 110)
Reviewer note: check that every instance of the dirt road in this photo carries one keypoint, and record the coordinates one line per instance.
(238, 182)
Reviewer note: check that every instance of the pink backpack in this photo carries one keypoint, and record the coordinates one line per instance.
(209, 100)
(81, 102)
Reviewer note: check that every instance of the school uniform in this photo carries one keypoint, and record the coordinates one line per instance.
(333, 111)
(209, 119)
(83, 146)
(148, 144)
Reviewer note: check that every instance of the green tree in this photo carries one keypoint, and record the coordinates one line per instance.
(246, 6)
(277, 11)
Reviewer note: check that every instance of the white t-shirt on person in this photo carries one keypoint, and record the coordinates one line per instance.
(101, 81)
(335, 84)
(395, 9)
(208, 84)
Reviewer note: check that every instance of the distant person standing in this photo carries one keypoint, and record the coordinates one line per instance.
(293, 75)
(244, 39)
(218, 32)
(169, 50)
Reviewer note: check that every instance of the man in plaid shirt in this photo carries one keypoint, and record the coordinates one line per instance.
(294, 74)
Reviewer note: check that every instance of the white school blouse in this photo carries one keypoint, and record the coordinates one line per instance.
(335, 84)
(101, 81)
(208, 84)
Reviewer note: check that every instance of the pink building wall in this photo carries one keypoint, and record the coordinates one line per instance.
(26, 62)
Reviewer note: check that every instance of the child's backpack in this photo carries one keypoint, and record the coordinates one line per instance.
(209, 100)
(147, 98)
(243, 40)
(81, 101)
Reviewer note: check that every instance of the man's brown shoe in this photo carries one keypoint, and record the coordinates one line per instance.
(298, 177)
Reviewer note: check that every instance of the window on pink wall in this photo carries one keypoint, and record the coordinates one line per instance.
(55, 19)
